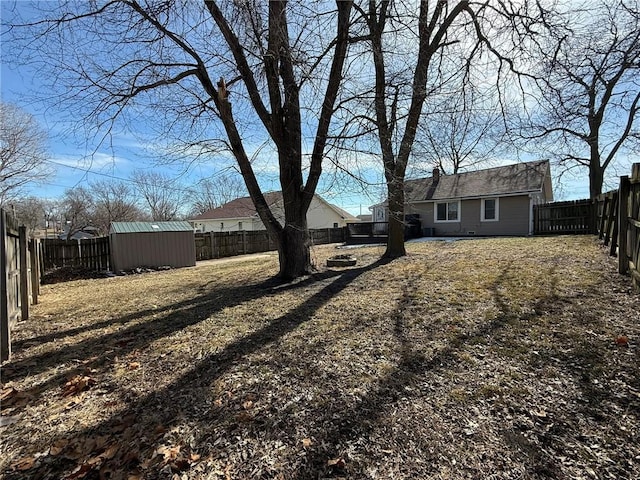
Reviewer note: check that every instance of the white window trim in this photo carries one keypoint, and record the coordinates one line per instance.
(435, 212)
(482, 218)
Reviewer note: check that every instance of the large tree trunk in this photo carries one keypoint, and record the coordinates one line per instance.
(596, 179)
(395, 241)
(596, 170)
(294, 251)
(284, 124)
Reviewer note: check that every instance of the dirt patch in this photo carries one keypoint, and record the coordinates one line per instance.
(493, 358)
(67, 274)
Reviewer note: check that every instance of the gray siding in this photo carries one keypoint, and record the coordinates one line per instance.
(152, 249)
(514, 213)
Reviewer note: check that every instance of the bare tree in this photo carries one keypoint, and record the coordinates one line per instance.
(589, 88)
(30, 212)
(212, 192)
(453, 39)
(52, 216)
(114, 201)
(403, 85)
(77, 209)
(464, 130)
(162, 195)
(23, 151)
(274, 60)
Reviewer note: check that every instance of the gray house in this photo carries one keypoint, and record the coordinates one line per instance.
(151, 244)
(495, 201)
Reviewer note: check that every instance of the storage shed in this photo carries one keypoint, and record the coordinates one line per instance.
(151, 244)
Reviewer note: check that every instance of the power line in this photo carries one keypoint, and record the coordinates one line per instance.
(113, 177)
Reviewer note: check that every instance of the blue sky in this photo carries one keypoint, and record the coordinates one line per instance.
(79, 160)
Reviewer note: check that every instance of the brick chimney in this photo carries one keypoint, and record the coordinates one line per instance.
(434, 183)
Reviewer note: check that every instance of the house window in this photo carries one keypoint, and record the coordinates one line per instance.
(335, 224)
(221, 225)
(489, 211)
(239, 225)
(447, 212)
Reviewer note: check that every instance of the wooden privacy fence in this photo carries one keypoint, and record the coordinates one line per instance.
(564, 218)
(89, 253)
(19, 277)
(606, 215)
(629, 225)
(618, 224)
(228, 244)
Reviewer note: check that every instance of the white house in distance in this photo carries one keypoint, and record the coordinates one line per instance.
(240, 214)
(494, 201)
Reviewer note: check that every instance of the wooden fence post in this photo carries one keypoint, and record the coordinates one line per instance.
(35, 271)
(623, 222)
(24, 273)
(603, 215)
(5, 339)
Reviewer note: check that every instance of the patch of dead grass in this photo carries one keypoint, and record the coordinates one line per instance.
(474, 359)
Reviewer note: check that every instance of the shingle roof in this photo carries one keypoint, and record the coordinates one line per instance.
(238, 208)
(244, 208)
(511, 179)
(137, 227)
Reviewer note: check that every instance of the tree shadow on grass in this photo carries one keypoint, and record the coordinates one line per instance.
(96, 354)
(191, 396)
(159, 407)
(359, 420)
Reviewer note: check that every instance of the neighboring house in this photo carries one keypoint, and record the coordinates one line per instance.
(495, 201)
(240, 214)
(84, 233)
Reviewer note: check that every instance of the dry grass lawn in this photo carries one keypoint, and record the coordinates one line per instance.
(478, 359)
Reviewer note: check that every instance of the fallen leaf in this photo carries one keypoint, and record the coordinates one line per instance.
(336, 462)
(79, 472)
(11, 397)
(622, 341)
(6, 393)
(247, 405)
(169, 453)
(306, 442)
(77, 384)
(194, 457)
(24, 464)
(133, 365)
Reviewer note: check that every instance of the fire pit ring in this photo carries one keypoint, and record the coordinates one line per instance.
(341, 261)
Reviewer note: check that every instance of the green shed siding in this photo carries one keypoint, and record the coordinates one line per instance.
(139, 244)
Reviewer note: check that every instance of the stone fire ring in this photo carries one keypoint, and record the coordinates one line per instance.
(341, 261)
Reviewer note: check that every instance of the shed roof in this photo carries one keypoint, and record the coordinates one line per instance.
(139, 227)
(510, 179)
